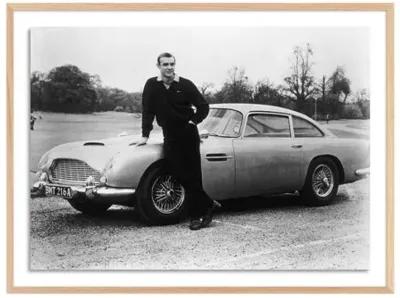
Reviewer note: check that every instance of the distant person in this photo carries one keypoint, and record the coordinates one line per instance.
(33, 119)
(327, 118)
(169, 98)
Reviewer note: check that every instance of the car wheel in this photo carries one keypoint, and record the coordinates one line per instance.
(322, 182)
(89, 207)
(161, 198)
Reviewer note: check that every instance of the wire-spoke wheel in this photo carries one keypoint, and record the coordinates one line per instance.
(321, 183)
(167, 194)
(160, 197)
(322, 180)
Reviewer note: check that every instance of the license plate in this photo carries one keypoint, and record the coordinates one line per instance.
(60, 191)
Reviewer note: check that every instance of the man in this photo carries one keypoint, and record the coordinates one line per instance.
(170, 99)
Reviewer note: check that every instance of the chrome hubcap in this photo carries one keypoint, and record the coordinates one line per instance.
(167, 194)
(322, 180)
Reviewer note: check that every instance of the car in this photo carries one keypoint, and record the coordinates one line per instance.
(246, 150)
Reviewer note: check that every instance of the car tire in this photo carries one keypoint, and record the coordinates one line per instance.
(160, 198)
(88, 207)
(322, 182)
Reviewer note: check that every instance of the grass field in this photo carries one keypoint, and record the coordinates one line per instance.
(56, 128)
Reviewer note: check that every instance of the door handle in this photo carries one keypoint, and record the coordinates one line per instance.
(297, 146)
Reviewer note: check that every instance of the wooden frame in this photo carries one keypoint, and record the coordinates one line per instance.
(387, 8)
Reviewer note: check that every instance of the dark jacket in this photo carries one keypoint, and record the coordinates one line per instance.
(173, 107)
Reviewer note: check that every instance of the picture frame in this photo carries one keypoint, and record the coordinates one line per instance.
(386, 8)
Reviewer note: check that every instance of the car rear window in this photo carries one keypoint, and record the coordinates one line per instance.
(304, 129)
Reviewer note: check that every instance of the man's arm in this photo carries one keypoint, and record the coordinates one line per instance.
(200, 103)
(147, 113)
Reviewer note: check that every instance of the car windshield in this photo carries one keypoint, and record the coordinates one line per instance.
(222, 122)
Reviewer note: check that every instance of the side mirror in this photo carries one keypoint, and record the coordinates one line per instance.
(204, 134)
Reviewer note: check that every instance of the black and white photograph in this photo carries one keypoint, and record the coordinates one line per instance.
(200, 148)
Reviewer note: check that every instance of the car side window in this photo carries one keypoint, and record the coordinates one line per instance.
(304, 129)
(267, 125)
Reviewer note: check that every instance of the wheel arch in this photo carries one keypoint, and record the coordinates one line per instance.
(335, 160)
(157, 163)
(146, 209)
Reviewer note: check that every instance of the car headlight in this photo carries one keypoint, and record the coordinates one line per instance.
(44, 177)
(43, 160)
(103, 180)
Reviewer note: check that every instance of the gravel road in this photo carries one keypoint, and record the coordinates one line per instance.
(275, 233)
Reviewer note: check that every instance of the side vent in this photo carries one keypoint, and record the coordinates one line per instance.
(93, 144)
(218, 157)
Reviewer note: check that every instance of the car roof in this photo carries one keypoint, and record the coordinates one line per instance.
(249, 107)
(246, 108)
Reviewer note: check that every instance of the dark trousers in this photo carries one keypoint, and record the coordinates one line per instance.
(182, 154)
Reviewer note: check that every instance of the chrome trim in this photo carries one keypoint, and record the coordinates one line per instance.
(362, 172)
(255, 112)
(71, 171)
(91, 191)
(239, 135)
(109, 192)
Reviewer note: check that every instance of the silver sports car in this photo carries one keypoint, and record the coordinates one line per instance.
(246, 150)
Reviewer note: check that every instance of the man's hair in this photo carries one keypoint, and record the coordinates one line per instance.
(164, 55)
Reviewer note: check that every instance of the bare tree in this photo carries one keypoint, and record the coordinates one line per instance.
(205, 87)
(236, 88)
(323, 87)
(301, 82)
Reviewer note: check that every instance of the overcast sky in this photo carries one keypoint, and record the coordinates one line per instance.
(125, 57)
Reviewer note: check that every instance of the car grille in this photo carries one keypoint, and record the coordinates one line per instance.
(72, 171)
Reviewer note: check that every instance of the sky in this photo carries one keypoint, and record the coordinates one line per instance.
(125, 57)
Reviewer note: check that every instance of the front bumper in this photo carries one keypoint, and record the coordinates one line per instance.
(91, 192)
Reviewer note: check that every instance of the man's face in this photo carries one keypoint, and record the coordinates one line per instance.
(167, 67)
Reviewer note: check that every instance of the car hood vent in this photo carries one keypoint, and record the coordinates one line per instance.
(93, 144)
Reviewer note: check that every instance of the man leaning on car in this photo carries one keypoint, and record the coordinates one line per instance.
(170, 99)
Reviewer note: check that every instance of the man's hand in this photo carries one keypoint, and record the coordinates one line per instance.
(142, 141)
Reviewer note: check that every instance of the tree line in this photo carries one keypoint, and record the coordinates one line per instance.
(70, 90)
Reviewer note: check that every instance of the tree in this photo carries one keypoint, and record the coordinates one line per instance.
(205, 91)
(339, 84)
(204, 88)
(110, 98)
(37, 89)
(300, 83)
(266, 93)
(70, 90)
(363, 101)
(236, 88)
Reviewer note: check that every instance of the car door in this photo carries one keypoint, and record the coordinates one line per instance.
(218, 167)
(267, 158)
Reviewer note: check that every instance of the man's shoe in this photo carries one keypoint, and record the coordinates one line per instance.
(207, 218)
(195, 224)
